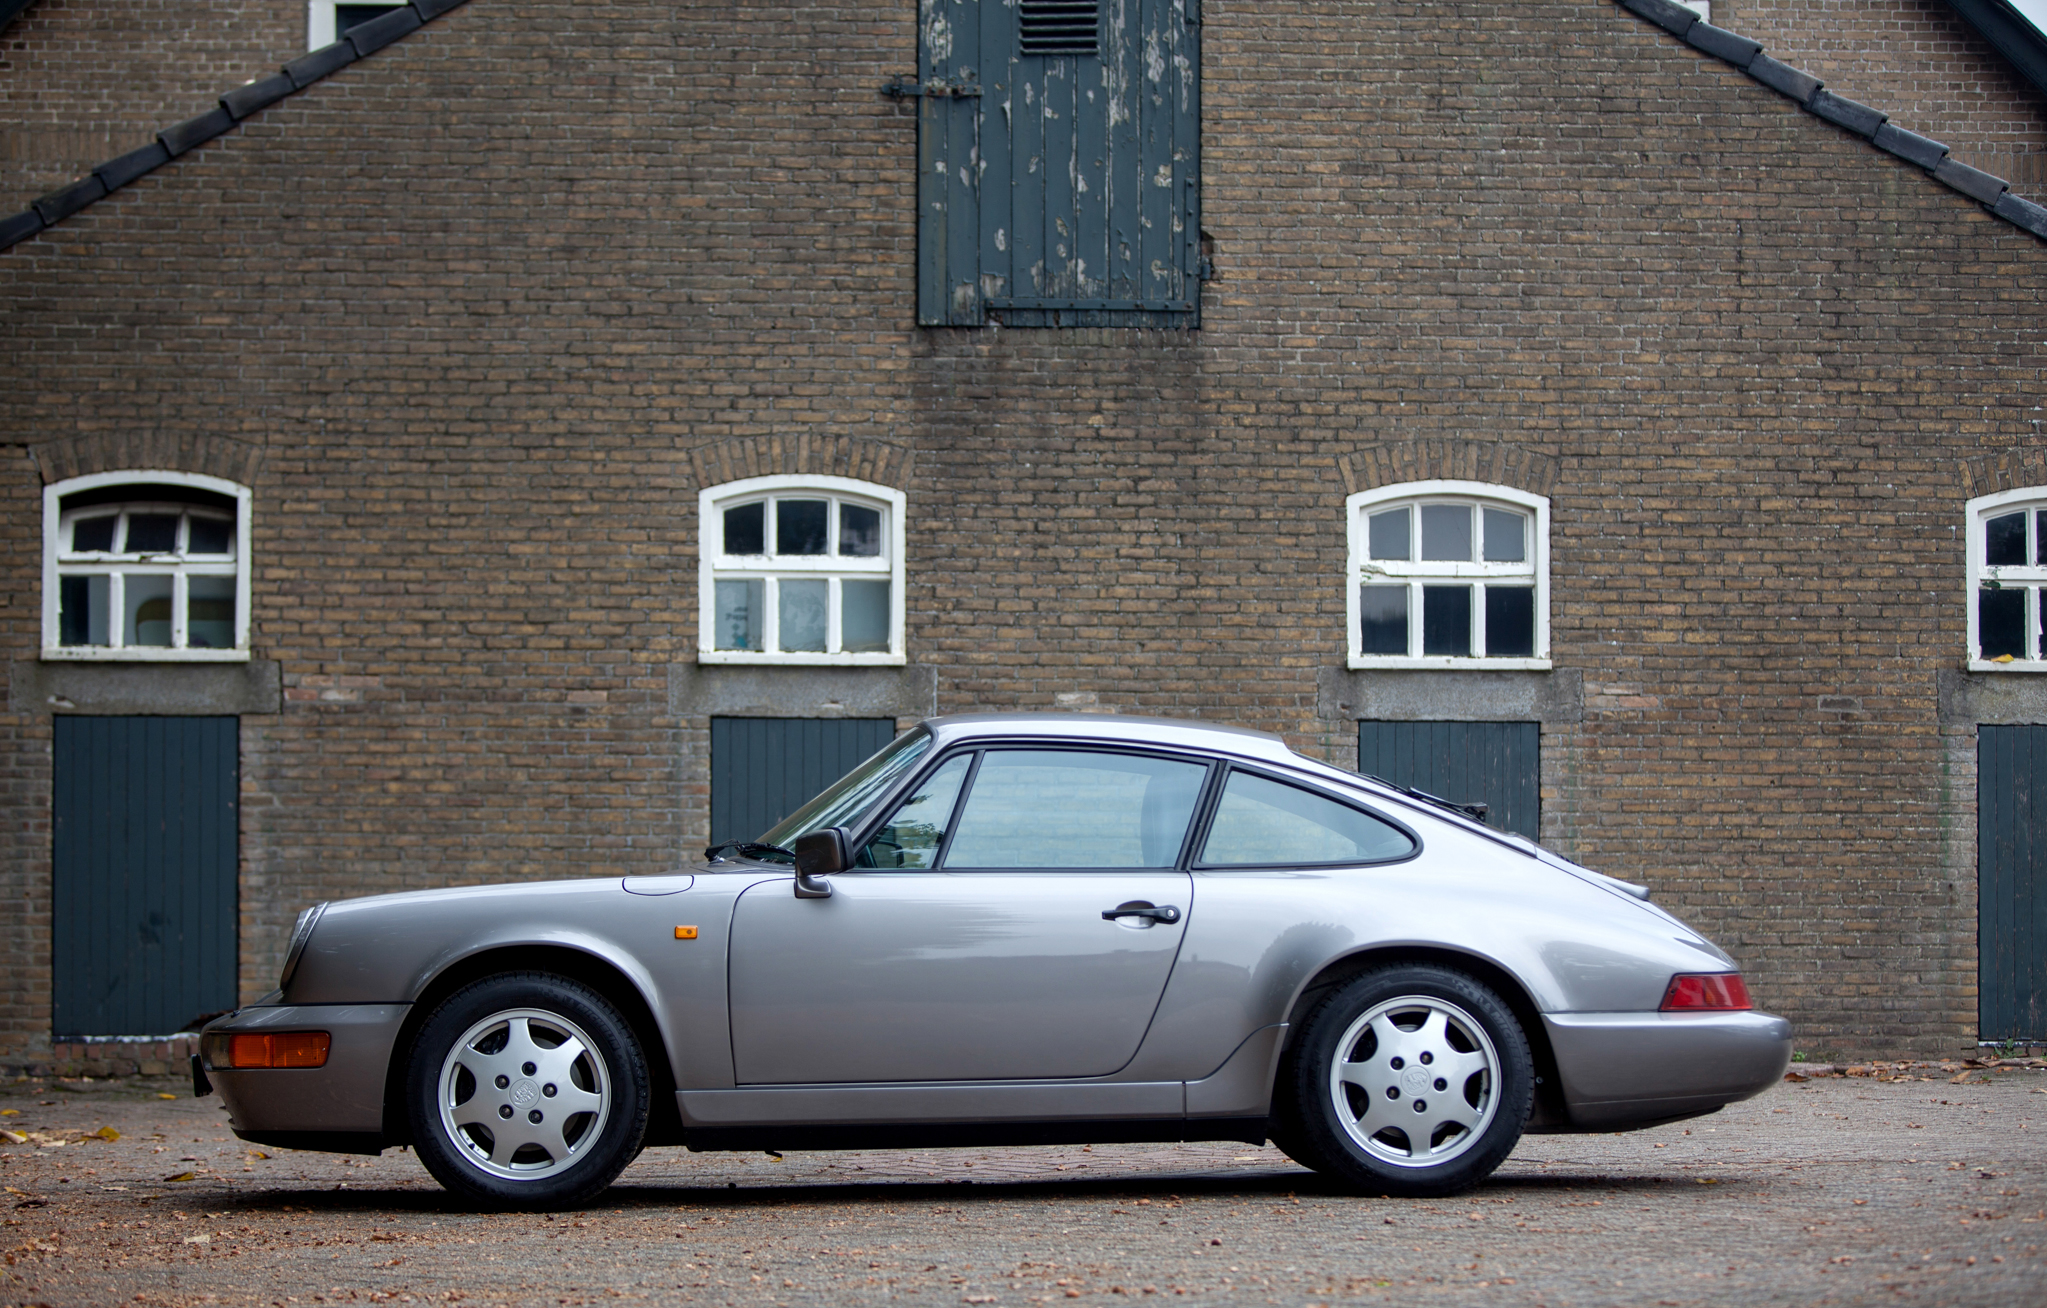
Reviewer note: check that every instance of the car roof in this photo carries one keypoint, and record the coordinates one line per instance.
(1115, 728)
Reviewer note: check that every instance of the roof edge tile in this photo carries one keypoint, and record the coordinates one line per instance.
(117, 173)
(1723, 44)
(1856, 117)
(1672, 18)
(1911, 146)
(233, 106)
(370, 37)
(61, 204)
(1972, 182)
(2018, 209)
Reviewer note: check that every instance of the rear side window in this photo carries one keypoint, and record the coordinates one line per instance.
(1262, 822)
(1052, 808)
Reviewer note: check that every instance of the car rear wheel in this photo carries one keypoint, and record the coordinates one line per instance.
(1410, 1080)
(527, 1090)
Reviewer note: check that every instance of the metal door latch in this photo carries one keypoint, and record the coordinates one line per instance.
(938, 88)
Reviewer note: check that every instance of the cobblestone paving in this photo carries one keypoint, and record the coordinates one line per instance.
(1830, 1192)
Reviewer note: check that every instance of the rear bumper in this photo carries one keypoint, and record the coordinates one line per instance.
(1621, 1070)
(343, 1098)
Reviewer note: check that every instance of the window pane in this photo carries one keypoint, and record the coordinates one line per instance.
(94, 533)
(1446, 533)
(799, 526)
(210, 612)
(859, 532)
(1387, 535)
(2040, 537)
(746, 529)
(209, 536)
(802, 614)
(863, 616)
(1446, 620)
(1382, 619)
(82, 610)
(1506, 536)
(149, 608)
(152, 533)
(2004, 540)
(2001, 622)
(1069, 808)
(911, 838)
(740, 608)
(1510, 622)
(1265, 822)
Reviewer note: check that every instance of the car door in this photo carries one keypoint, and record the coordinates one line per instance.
(969, 942)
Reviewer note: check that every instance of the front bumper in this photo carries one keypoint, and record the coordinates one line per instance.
(1622, 1070)
(339, 1106)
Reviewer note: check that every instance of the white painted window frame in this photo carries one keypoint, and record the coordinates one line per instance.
(2031, 576)
(320, 19)
(713, 566)
(1359, 569)
(142, 479)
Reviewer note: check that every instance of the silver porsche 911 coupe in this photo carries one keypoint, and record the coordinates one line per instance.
(1011, 930)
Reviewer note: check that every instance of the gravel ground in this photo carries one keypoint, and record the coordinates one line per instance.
(1832, 1191)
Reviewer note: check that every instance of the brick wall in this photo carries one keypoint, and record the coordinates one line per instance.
(1920, 62)
(482, 299)
(84, 80)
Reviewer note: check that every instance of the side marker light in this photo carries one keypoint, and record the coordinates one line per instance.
(283, 1049)
(685, 933)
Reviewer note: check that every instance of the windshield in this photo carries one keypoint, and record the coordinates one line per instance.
(850, 796)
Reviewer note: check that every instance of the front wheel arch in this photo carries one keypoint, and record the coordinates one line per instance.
(664, 1118)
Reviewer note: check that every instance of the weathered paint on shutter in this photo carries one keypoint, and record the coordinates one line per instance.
(1067, 191)
(1498, 764)
(2011, 862)
(144, 852)
(764, 769)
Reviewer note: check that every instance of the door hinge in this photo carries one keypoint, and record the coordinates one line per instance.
(938, 88)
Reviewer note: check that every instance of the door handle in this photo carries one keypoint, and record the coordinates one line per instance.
(1165, 913)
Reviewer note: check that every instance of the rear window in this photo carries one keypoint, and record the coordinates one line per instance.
(1265, 823)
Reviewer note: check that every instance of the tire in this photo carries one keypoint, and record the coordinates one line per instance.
(1371, 1103)
(526, 1090)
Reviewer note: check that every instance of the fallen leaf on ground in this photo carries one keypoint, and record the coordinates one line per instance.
(106, 1133)
(181, 1176)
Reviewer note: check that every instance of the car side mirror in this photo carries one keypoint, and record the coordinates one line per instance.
(819, 854)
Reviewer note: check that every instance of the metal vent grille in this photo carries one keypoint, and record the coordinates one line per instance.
(1059, 27)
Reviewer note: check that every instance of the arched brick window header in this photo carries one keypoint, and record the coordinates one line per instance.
(1494, 463)
(851, 457)
(205, 455)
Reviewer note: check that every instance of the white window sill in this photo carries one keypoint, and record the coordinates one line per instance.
(2016, 665)
(1445, 663)
(801, 660)
(142, 654)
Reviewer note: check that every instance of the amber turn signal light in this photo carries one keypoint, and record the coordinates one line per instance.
(284, 1049)
(1693, 992)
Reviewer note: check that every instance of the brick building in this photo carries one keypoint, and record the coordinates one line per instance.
(508, 449)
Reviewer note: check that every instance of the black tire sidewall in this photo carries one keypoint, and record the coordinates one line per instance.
(1313, 1116)
(624, 1064)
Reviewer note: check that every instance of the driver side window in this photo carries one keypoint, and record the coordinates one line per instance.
(911, 838)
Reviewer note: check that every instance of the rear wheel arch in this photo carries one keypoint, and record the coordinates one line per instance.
(1546, 1113)
(664, 1120)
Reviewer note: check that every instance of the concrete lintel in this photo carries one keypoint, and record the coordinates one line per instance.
(724, 690)
(1998, 698)
(150, 689)
(1410, 696)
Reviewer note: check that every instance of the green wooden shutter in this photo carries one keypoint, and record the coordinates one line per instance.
(1059, 188)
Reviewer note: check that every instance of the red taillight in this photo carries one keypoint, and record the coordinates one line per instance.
(1705, 991)
(284, 1049)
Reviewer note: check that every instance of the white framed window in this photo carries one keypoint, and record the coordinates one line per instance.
(2007, 542)
(146, 566)
(800, 570)
(1448, 574)
(327, 21)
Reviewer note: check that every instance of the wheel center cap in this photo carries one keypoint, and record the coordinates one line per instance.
(1414, 1080)
(525, 1091)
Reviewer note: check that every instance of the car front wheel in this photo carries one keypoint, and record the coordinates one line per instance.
(527, 1090)
(1410, 1080)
